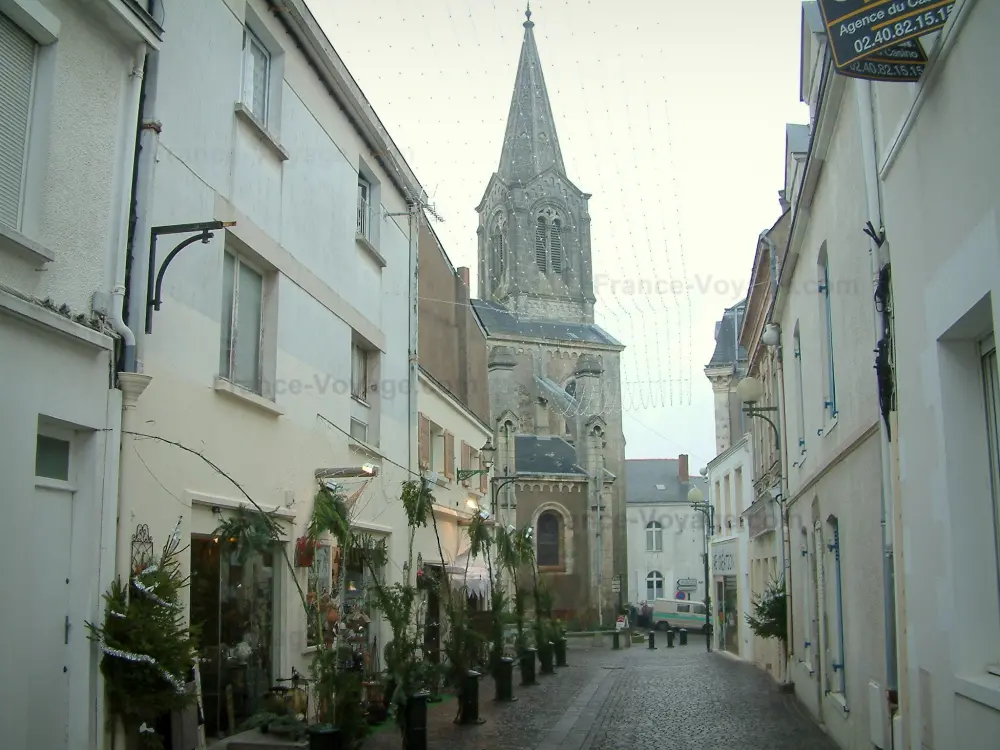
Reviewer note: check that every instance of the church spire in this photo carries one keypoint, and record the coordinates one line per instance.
(530, 144)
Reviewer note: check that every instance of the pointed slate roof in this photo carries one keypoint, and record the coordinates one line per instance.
(727, 333)
(530, 143)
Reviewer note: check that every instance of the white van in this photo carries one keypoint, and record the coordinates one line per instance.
(671, 614)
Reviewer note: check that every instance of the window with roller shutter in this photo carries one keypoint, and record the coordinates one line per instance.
(17, 76)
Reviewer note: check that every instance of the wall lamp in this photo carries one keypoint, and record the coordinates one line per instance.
(750, 391)
(486, 458)
(200, 231)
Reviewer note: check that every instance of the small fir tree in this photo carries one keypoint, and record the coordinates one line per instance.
(148, 649)
(769, 617)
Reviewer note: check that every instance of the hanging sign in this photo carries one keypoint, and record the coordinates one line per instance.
(865, 30)
(904, 62)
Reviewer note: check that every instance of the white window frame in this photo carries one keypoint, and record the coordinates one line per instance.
(654, 537)
(251, 40)
(234, 315)
(653, 578)
(355, 422)
(830, 395)
(364, 228)
(360, 370)
(29, 121)
(991, 404)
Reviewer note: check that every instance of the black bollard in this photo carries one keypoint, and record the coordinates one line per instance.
(545, 656)
(468, 712)
(324, 737)
(670, 638)
(528, 667)
(415, 730)
(616, 641)
(652, 640)
(684, 637)
(505, 680)
(561, 652)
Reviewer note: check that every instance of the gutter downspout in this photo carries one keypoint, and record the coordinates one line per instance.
(869, 158)
(414, 221)
(142, 206)
(120, 252)
(786, 551)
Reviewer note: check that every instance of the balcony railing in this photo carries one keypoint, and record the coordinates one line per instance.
(364, 219)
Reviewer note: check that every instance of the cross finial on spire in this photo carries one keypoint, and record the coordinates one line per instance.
(527, 14)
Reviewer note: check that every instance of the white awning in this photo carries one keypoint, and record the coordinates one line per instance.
(476, 578)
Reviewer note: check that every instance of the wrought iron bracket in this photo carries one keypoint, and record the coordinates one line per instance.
(464, 474)
(202, 231)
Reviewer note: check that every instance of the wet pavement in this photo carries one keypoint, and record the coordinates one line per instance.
(631, 699)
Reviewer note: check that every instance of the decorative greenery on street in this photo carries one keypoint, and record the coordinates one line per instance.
(770, 609)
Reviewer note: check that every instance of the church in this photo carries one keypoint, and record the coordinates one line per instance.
(554, 374)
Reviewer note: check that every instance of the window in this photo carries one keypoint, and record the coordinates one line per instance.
(242, 323)
(498, 247)
(683, 607)
(547, 554)
(52, 458)
(799, 388)
(256, 75)
(541, 257)
(991, 383)
(359, 372)
(364, 209)
(837, 681)
(697, 608)
(555, 245)
(17, 76)
(654, 586)
(318, 591)
(359, 430)
(826, 316)
(654, 537)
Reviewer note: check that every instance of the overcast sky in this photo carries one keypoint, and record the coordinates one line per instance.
(671, 114)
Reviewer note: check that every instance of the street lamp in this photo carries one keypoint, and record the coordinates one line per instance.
(697, 499)
(486, 454)
(750, 391)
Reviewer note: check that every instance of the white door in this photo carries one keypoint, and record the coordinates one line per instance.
(46, 672)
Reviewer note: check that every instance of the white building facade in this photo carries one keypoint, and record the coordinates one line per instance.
(69, 75)
(943, 238)
(730, 492)
(282, 347)
(833, 456)
(666, 537)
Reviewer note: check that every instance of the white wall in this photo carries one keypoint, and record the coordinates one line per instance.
(683, 545)
(296, 219)
(736, 464)
(57, 372)
(943, 236)
(835, 475)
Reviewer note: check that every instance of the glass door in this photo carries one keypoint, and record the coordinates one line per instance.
(232, 602)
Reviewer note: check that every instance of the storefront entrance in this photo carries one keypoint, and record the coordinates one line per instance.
(232, 602)
(727, 619)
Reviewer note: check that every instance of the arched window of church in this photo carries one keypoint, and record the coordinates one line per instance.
(540, 250)
(555, 246)
(498, 241)
(571, 388)
(547, 553)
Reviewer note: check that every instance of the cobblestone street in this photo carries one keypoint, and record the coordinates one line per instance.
(635, 699)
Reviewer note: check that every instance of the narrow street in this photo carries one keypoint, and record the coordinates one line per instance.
(683, 698)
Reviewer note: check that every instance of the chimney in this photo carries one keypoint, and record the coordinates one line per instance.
(463, 274)
(683, 474)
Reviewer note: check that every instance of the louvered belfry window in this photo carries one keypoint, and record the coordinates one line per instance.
(555, 246)
(541, 259)
(17, 74)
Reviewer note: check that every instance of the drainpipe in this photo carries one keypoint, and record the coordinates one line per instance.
(869, 156)
(414, 221)
(142, 206)
(120, 252)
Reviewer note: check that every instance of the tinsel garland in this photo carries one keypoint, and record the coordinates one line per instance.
(148, 591)
(145, 659)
